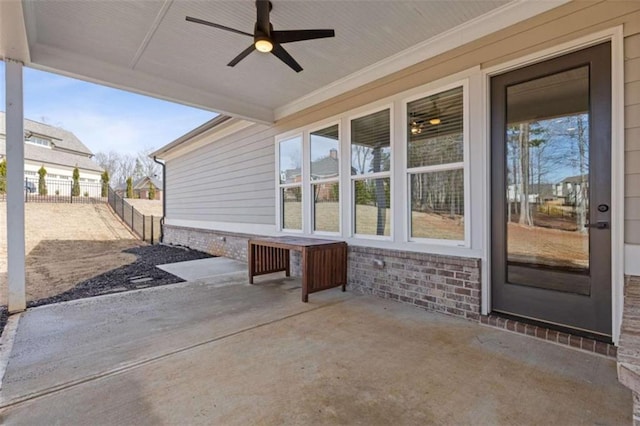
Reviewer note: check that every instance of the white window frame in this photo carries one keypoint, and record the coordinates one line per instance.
(321, 126)
(32, 142)
(353, 178)
(281, 186)
(474, 172)
(464, 165)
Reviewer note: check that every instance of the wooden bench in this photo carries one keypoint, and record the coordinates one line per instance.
(323, 262)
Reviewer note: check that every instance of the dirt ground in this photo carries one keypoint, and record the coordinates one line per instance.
(547, 246)
(147, 207)
(66, 244)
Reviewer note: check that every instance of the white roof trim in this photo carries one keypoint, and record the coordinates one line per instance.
(188, 142)
(500, 18)
(13, 32)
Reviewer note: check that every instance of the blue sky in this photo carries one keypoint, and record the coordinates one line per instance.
(103, 118)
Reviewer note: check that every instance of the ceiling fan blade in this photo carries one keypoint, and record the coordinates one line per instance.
(242, 55)
(300, 35)
(284, 56)
(220, 27)
(262, 22)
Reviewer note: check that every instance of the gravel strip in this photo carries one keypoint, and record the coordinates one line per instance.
(140, 274)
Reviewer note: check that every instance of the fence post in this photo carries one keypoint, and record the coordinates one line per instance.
(144, 222)
(151, 229)
(132, 227)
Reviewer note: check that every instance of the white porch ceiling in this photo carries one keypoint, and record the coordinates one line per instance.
(148, 47)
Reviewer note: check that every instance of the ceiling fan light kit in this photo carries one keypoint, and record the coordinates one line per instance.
(263, 45)
(266, 39)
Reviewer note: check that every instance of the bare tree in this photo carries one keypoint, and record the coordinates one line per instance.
(109, 161)
(523, 139)
(121, 166)
(148, 167)
(581, 137)
(361, 156)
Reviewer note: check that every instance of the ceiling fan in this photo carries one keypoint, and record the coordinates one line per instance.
(266, 39)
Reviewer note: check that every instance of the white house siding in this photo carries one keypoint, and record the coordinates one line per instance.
(231, 180)
(59, 179)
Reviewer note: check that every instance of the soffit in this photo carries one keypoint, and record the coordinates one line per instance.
(148, 47)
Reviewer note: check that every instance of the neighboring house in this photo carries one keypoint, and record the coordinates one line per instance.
(59, 151)
(538, 193)
(326, 167)
(141, 188)
(571, 191)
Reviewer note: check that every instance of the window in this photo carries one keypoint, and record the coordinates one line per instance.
(435, 166)
(37, 140)
(290, 160)
(345, 171)
(371, 173)
(325, 179)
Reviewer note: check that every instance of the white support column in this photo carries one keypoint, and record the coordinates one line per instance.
(15, 187)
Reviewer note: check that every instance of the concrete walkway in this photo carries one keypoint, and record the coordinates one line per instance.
(225, 352)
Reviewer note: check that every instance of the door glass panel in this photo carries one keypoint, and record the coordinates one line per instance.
(547, 193)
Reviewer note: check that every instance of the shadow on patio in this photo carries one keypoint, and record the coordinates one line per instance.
(219, 351)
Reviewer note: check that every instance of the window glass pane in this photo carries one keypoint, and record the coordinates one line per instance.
(435, 129)
(547, 138)
(324, 153)
(291, 160)
(371, 143)
(437, 205)
(292, 208)
(372, 206)
(326, 207)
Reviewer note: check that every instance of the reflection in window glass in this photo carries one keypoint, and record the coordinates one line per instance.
(324, 153)
(371, 143)
(326, 207)
(291, 160)
(291, 208)
(547, 138)
(435, 129)
(435, 141)
(372, 198)
(437, 205)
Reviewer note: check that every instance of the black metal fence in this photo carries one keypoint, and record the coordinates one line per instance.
(58, 191)
(148, 228)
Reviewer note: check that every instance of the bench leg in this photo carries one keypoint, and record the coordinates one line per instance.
(252, 267)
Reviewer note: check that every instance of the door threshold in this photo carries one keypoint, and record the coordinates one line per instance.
(565, 337)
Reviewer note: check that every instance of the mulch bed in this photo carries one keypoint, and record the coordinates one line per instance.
(122, 279)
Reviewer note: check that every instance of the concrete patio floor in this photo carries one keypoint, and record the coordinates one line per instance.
(219, 351)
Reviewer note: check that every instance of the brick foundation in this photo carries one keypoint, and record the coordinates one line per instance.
(446, 284)
(218, 243)
(543, 333)
(629, 349)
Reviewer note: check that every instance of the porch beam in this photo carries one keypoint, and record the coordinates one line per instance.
(15, 186)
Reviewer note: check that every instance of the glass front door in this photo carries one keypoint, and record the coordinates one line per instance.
(551, 239)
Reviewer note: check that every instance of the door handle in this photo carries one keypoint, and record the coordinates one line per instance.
(601, 224)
